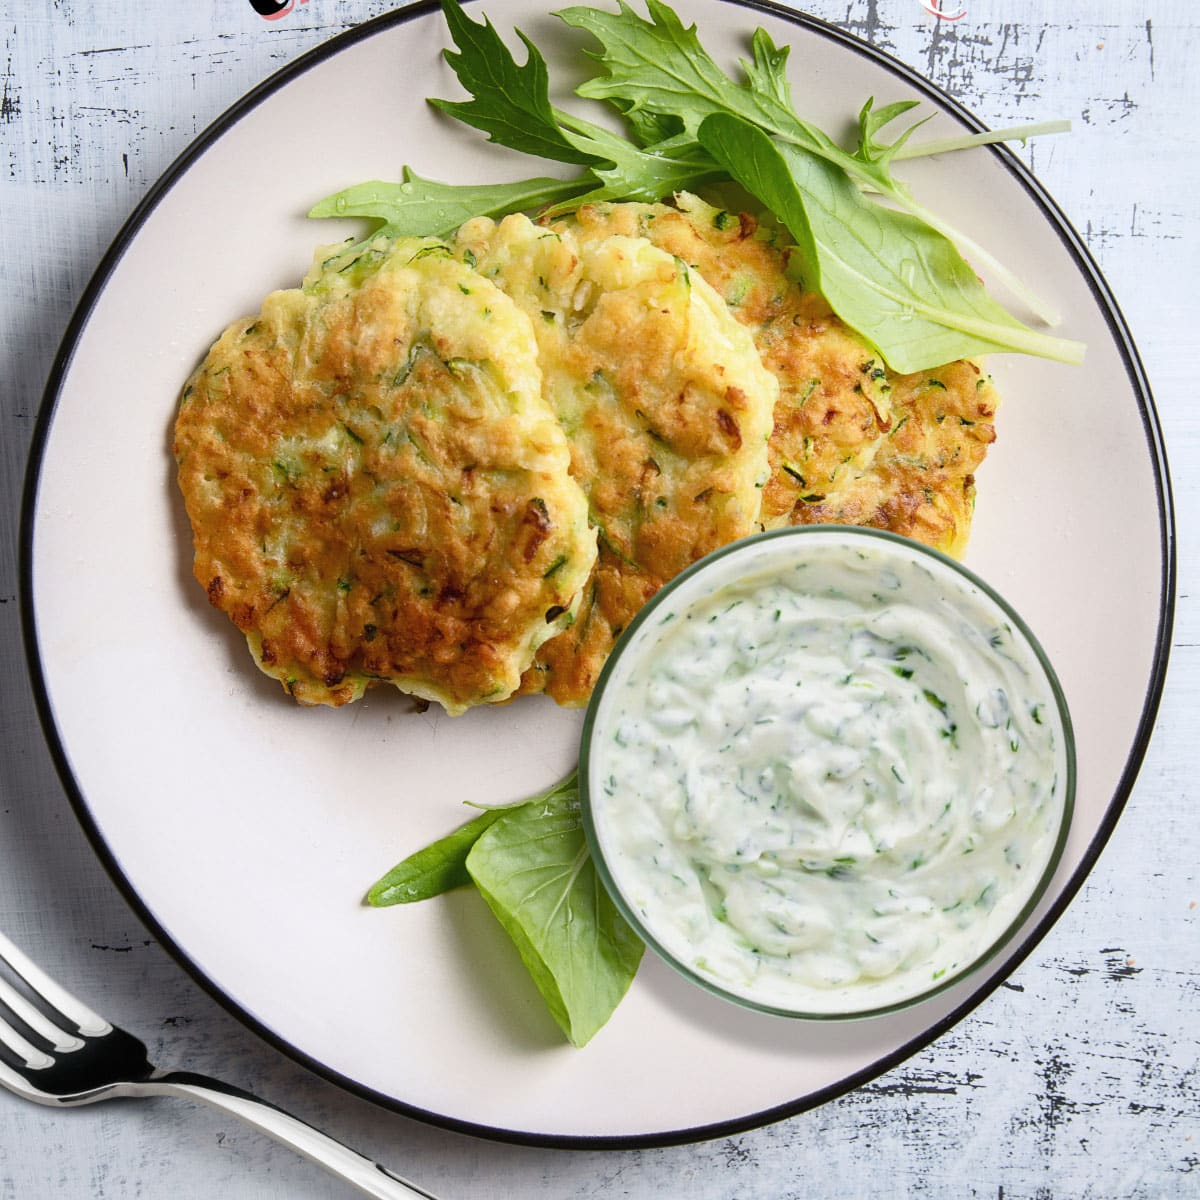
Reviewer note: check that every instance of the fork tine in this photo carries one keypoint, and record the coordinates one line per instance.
(31, 1016)
(89, 1023)
(15, 1082)
(33, 1058)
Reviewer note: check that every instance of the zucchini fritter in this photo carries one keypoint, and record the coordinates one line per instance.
(853, 442)
(377, 489)
(664, 401)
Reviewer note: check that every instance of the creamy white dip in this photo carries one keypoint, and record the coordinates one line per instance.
(827, 773)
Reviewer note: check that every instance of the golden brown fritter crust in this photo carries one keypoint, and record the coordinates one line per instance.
(853, 442)
(665, 403)
(921, 481)
(377, 489)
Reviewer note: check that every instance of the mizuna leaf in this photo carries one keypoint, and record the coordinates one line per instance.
(659, 68)
(871, 121)
(894, 277)
(767, 74)
(510, 103)
(424, 208)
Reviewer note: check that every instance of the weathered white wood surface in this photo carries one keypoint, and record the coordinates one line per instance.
(1079, 1078)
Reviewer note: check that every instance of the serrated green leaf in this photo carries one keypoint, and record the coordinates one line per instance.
(656, 73)
(509, 102)
(658, 67)
(767, 74)
(644, 176)
(871, 120)
(420, 207)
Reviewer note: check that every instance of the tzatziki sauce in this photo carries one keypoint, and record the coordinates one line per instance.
(827, 772)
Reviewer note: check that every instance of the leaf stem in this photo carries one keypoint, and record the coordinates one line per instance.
(987, 138)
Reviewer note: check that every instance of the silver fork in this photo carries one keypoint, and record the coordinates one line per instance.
(56, 1051)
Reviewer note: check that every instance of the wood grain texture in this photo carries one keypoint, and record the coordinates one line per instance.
(1079, 1078)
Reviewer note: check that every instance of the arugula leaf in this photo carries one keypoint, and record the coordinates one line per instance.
(439, 867)
(423, 208)
(768, 72)
(534, 870)
(659, 68)
(871, 120)
(642, 175)
(510, 103)
(885, 273)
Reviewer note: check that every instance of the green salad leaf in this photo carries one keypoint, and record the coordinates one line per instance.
(439, 867)
(534, 870)
(655, 72)
(658, 68)
(768, 72)
(419, 207)
(510, 103)
(871, 120)
(442, 865)
(880, 269)
(531, 864)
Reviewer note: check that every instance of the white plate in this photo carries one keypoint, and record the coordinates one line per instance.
(246, 829)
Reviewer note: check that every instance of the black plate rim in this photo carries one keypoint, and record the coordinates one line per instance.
(1135, 370)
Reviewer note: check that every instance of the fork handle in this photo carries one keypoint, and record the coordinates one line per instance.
(369, 1177)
